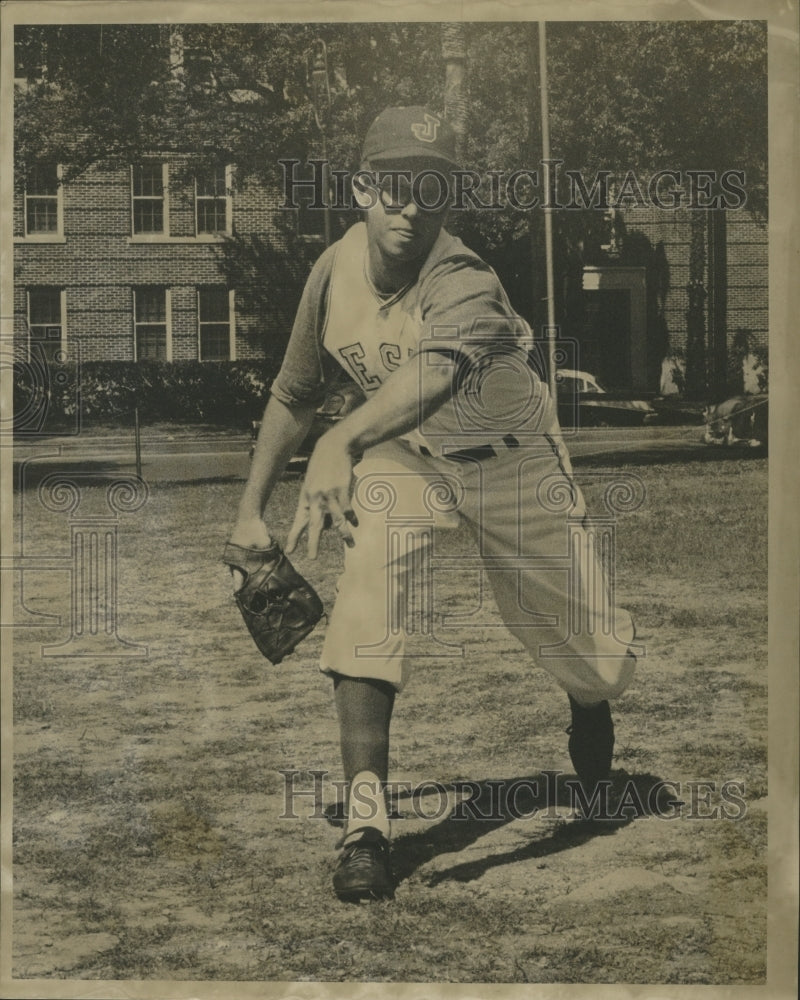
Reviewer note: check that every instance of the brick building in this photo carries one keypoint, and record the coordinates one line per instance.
(635, 300)
(127, 262)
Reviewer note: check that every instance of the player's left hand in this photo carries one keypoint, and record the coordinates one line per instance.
(325, 495)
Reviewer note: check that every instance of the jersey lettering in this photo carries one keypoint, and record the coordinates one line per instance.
(353, 355)
(391, 356)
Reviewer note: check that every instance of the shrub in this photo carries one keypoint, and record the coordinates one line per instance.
(228, 393)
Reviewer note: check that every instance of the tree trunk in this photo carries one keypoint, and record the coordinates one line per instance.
(454, 54)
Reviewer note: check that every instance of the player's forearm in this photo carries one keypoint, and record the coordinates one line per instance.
(283, 429)
(403, 402)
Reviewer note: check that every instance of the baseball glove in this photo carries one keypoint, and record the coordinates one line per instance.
(278, 605)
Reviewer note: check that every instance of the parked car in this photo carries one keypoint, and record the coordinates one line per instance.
(341, 400)
(740, 420)
(584, 401)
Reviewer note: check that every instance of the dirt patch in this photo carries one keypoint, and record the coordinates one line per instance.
(153, 838)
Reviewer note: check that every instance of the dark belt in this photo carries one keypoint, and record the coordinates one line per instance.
(476, 454)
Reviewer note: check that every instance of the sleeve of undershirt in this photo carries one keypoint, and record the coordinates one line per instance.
(304, 370)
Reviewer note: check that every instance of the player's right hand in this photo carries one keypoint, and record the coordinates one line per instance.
(325, 496)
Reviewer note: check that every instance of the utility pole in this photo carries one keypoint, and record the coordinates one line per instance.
(320, 91)
(548, 213)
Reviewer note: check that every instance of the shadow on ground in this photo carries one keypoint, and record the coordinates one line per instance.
(31, 472)
(494, 803)
(661, 454)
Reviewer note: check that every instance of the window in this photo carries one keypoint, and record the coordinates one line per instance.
(214, 322)
(43, 201)
(151, 325)
(198, 59)
(149, 195)
(212, 208)
(29, 54)
(46, 309)
(191, 60)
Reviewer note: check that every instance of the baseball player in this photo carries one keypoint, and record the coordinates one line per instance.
(456, 427)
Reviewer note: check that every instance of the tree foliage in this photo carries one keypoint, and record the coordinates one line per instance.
(639, 96)
(654, 96)
(111, 93)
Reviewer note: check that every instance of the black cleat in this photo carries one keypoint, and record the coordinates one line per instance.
(363, 870)
(591, 742)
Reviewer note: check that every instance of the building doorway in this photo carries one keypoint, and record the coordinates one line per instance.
(605, 348)
(613, 343)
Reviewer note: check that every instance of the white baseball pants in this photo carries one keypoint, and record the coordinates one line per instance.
(550, 567)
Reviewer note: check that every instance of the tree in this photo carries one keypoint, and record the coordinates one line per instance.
(677, 96)
(106, 95)
(652, 95)
(645, 96)
(662, 95)
(111, 93)
(454, 55)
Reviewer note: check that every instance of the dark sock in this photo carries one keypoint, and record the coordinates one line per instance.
(365, 708)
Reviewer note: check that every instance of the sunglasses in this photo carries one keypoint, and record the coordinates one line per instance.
(429, 190)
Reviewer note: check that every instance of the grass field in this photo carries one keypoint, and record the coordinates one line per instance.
(148, 793)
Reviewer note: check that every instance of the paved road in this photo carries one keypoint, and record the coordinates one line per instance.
(223, 456)
(179, 458)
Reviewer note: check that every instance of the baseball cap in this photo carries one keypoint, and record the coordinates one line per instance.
(406, 133)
